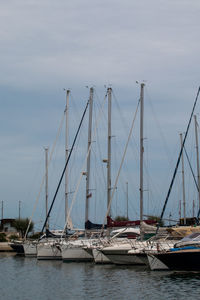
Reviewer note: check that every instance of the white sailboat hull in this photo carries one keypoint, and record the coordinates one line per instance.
(155, 264)
(30, 249)
(76, 254)
(124, 259)
(99, 257)
(48, 251)
(119, 254)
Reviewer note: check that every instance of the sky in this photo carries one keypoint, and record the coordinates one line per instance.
(46, 46)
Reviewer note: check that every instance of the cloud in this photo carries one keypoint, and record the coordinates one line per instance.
(47, 45)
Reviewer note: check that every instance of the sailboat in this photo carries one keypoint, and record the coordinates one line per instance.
(130, 251)
(30, 247)
(48, 248)
(118, 252)
(77, 250)
(174, 258)
(51, 249)
(17, 246)
(94, 247)
(88, 249)
(184, 256)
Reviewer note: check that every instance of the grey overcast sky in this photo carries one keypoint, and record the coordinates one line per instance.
(46, 46)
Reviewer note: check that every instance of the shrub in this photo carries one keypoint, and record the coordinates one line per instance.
(121, 218)
(3, 237)
(35, 236)
(13, 237)
(21, 226)
(157, 219)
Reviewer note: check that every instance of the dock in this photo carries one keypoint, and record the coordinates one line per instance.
(4, 247)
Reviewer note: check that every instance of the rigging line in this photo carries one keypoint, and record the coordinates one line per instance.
(122, 187)
(147, 177)
(191, 169)
(98, 103)
(120, 112)
(178, 161)
(98, 148)
(131, 204)
(97, 173)
(83, 166)
(44, 176)
(74, 158)
(123, 176)
(95, 182)
(100, 154)
(122, 161)
(152, 187)
(74, 104)
(198, 216)
(114, 163)
(191, 157)
(77, 116)
(133, 143)
(73, 164)
(166, 148)
(65, 165)
(101, 158)
(59, 214)
(55, 160)
(123, 118)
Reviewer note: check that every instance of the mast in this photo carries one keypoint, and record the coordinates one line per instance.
(127, 200)
(46, 184)
(193, 206)
(2, 210)
(109, 90)
(197, 153)
(141, 148)
(19, 209)
(183, 180)
(88, 157)
(66, 151)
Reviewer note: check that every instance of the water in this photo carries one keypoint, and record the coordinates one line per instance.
(29, 279)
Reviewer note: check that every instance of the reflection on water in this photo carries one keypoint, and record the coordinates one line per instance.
(29, 279)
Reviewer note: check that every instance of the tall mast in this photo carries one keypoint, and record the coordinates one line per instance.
(19, 209)
(197, 152)
(180, 210)
(88, 157)
(183, 180)
(141, 148)
(109, 150)
(46, 184)
(66, 151)
(193, 205)
(127, 200)
(2, 210)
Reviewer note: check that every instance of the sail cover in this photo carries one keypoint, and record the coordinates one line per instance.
(90, 225)
(112, 223)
